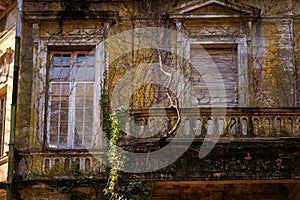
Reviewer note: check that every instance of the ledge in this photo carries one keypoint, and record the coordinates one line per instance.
(74, 15)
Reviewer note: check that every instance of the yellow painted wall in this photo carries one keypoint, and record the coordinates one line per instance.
(7, 40)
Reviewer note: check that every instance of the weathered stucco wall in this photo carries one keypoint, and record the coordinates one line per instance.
(268, 46)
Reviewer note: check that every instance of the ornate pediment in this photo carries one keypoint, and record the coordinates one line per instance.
(200, 9)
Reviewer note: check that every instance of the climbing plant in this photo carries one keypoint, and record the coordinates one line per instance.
(115, 189)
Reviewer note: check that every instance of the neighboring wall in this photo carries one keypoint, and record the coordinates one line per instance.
(7, 46)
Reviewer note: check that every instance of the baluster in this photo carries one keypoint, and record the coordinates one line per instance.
(198, 126)
(140, 129)
(133, 128)
(244, 126)
(56, 165)
(267, 127)
(77, 163)
(164, 125)
(290, 126)
(221, 126)
(128, 128)
(67, 165)
(46, 165)
(256, 127)
(233, 126)
(153, 130)
(87, 164)
(209, 126)
(187, 127)
(278, 126)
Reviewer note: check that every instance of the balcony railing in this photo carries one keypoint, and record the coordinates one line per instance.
(227, 124)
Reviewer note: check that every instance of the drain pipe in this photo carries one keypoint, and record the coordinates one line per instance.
(11, 153)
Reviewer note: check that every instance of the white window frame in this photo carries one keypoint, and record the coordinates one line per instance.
(42, 45)
(71, 103)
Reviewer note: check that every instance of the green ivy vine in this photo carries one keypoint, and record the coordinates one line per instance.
(134, 190)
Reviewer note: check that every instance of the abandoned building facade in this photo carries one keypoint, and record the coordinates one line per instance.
(218, 77)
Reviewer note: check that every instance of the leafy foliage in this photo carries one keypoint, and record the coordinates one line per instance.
(135, 190)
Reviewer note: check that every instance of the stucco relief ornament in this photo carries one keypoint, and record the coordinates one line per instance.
(166, 40)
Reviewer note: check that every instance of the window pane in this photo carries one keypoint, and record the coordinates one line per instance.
(88, 142)
(79, 115)
(55, 89)
(56, 60)
(54, 129)
(79, 88)
(89, 116)
(80, 60)
(90, 73)
(64, 116)
(90, 89)
(85, 67)
(79, 102)
(53, 141)
(77, 141)
(78, 128)
(64, 103)
(54, 116)
(90, 60)
(66, 60)
(54, 104)
(89, 102)
(78, 135)
(63, 128)
(88, 128)
(80, 74)
(63, 141)
(65, 89)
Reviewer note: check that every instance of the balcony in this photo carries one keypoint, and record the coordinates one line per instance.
(242, 125)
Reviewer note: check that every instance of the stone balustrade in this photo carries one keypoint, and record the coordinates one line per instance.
(60, 164)
(230, 123)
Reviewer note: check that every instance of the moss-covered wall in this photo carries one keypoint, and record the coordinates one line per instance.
(273, 43)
